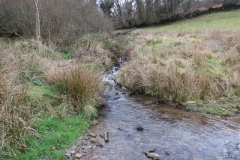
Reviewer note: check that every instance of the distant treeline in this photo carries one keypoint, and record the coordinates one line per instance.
(137, 13)
(61, 21)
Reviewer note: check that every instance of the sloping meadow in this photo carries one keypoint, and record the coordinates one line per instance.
(195, 68)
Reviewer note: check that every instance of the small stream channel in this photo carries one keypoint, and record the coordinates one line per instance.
(173, 133)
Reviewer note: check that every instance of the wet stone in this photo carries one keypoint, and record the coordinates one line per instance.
(167, 153)
(120, 129)
(92, 135)
(93, 140)
(139, 128)
(152, 155)
(98, 144)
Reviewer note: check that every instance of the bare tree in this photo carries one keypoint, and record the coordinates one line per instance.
(53, 21)
(38, 31)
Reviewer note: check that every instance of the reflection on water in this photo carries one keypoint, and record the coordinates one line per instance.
(174, 133)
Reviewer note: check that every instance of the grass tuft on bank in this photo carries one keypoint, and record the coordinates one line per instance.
(193, 65)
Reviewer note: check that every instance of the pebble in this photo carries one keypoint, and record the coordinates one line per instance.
(78, 155)
(167, 153)
(67, 154)
(72, 152)
(83, 147)
(120, 129)
(86, 138)
(92, 135)
(93, 140)
(98, 144)
(139, 128)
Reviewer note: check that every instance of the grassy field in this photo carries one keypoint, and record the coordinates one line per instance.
(218, 20)
(194, 63)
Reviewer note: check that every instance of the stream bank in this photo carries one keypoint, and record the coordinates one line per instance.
(137, 124)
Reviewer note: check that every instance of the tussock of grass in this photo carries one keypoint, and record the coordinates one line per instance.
(82, 85)
(182, 67)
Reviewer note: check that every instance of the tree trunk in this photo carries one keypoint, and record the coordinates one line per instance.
(38, 32)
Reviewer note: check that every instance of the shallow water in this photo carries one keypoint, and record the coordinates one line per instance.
(174, 133)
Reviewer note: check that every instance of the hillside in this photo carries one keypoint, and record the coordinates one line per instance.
(217, 20)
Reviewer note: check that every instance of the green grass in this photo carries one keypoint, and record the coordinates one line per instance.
(214, 21)
(56, 135)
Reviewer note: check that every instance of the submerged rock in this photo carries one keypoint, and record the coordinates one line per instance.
(139, 128)
(152, 155)
(167, 153)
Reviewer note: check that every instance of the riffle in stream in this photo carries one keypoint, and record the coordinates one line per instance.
(173, 133)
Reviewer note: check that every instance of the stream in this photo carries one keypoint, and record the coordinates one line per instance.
(137, 124)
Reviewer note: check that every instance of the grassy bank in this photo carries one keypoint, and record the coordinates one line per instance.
(46, 100)
(193, 63)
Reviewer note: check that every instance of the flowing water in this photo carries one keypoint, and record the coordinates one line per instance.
(173, 133)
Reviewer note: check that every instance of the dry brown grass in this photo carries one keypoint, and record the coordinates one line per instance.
(16, 115)
(186, 71)
(82, 85)
(16, 119)
(23, 65)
